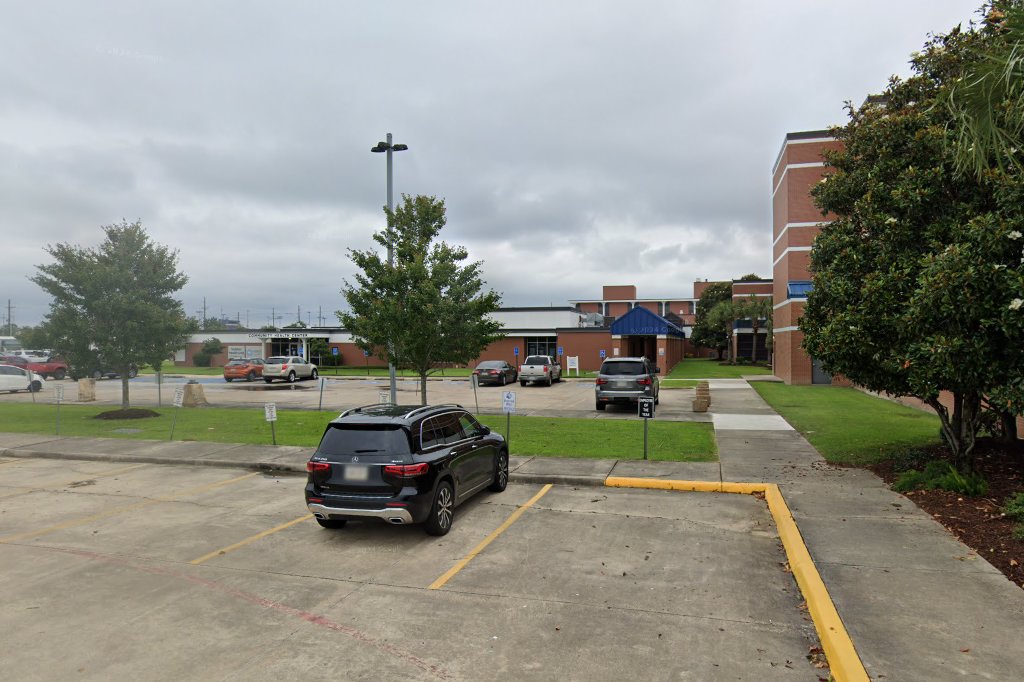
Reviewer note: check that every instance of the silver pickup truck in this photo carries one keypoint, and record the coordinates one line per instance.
(540, 368)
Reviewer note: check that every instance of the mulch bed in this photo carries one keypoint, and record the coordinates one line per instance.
(978, 522)
(130, 413)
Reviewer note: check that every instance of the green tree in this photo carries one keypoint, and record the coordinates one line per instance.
(756, 309)
(721, 319)
(210, 347)
(430, 307)
(708, 333)
(37, 337)
(918, 282)
(114, 303)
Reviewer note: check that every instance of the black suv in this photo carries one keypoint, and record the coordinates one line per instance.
(402, 465)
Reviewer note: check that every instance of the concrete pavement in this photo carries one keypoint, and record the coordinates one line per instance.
(918, 604)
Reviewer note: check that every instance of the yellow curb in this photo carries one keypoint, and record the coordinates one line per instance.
(843, 660)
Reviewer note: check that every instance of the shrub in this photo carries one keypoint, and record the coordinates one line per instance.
(1014, 507)
(941, 475)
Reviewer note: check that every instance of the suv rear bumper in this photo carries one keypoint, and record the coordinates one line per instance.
(623, 396)
(395, 515)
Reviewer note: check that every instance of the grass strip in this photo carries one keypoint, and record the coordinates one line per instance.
(848, 426)
(552, 437)
(699, 368)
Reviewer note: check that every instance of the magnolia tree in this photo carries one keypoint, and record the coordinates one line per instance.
(919, 280)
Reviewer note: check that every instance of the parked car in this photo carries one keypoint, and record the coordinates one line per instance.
(45, 367)
(14, 378)
(495, 372)
(626, 380)
(403, 465)
(249, 369)
(288, 368)
(541, 369)
(102, 373)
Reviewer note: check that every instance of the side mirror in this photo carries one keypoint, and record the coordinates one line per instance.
(485, 430)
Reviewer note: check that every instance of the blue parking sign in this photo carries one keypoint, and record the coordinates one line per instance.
(334, 350)
(366, 353)
(560, 350)
(515, 350)
(603, 355)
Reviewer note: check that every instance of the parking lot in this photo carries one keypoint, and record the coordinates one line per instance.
(569, 398)
(112, 571)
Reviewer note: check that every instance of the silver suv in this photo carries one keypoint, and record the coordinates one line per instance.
(626, 380)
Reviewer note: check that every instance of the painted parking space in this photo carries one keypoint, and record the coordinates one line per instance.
(588, 582)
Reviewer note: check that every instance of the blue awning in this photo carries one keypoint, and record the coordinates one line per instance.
(642, 322)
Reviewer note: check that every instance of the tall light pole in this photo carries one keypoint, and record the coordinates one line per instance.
(388, 147)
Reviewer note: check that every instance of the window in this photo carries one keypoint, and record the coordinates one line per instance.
(358, 440)
(542, 345)
(470, 427)
(449, 427)
(798, 289)
(537, 360)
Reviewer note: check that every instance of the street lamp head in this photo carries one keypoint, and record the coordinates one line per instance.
(381, 147)
(399, 147)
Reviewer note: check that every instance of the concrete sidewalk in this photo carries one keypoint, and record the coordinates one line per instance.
(918, 604)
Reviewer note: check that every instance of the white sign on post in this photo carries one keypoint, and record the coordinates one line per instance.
(59, 389)
(384, 397)
(270, 412)
(572, 362)
(508, 402)
(179, 396)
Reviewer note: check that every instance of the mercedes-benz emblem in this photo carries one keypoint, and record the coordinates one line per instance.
(355, 459)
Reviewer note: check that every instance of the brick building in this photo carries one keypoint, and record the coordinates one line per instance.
(744, 339)
(795, 223)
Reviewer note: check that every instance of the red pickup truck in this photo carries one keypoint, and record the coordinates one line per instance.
(51, 367)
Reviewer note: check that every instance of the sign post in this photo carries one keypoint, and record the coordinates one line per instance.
(322, 382)
(475, 380)
(59, 390)
(270, 413)
(508, 406)
(384, 397)
(179, 400)
(646, 409)
(366, 359)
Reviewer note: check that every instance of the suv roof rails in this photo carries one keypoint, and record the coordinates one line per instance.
(354, 410)
(430, 407)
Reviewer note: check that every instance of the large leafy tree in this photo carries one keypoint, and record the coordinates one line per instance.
(430, 306)
(917, 281)
(708, 332)
(115, 303)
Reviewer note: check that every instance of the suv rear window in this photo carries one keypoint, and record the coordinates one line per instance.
(355, 439)
(537, 360)
(623, 368)
(277, 361)
(238, 362)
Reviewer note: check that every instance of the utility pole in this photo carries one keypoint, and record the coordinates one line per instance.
(246, 319)
(273, 317)
(298, 314)
(204, 313)
(10, 319)
(320, 316)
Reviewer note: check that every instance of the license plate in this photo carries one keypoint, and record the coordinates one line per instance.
(357, 472)
(622, 384)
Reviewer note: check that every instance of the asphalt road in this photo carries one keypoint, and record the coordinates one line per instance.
(114, 571)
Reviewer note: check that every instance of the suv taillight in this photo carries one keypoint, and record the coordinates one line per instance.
(406, 470)
(600, 382)
(313, 467)
(546, 369)
(646, 381)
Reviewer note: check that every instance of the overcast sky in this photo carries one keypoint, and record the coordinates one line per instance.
(575, 143)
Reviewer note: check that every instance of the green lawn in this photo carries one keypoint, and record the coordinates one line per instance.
(848, 426)
(698, 368)
(592, 438)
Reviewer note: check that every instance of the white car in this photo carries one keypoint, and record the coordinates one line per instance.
(13, 378)
(288, 368)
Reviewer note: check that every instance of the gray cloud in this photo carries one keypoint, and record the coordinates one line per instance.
(576, 144)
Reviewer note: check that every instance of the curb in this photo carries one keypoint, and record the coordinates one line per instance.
(280, 467)
(840, 652)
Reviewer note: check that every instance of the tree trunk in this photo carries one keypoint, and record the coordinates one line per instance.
(753, 348)
(1009, 424)
(961, 428)
(423, 388)
(124, 390)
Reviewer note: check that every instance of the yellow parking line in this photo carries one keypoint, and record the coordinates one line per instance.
(440, 582)
(25, 490)
(254, 538)
(120, 510)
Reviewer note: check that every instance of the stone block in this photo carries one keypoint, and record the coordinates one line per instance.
(194, 396)
(86, 390)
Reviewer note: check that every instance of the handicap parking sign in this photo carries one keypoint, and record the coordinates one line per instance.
(603, 355)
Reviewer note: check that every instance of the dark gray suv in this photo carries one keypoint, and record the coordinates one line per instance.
(626, 380)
